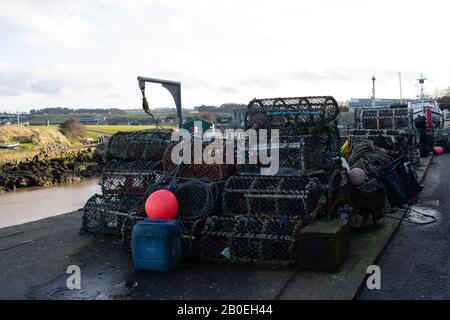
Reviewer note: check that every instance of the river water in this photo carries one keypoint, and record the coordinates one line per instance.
(32, 204)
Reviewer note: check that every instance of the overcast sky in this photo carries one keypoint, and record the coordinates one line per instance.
(89, 53)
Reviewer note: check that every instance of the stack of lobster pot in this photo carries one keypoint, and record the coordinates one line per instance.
(134, 159)
(198, 185)
(389, 128)
(197, 168)
(263, 213)
(197, 199)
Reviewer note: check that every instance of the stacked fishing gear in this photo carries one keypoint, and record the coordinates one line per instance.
(262, 213)
(139, 164)
(134, 159)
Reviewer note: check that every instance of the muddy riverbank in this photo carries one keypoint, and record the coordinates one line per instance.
(42, 170)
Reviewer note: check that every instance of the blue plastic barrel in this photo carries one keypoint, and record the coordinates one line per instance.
(156, 244)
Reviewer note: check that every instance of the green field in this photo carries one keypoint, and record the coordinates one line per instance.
(128, 115)
(93, 132)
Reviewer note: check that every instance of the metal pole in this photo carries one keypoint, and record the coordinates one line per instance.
(373, 91)
(422, 91)
(400, 80)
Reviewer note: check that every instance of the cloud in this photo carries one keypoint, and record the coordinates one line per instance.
(89, 52)
(227, 89)
(52, 80)
(47, 23)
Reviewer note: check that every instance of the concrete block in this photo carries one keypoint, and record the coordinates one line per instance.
(323, 245)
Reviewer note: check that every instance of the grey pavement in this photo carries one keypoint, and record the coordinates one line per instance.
(416, 262)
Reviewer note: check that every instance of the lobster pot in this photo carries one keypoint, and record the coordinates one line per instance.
(138, 145)
(214, 172)
(250, 240)
(127, 230)
(104, 214)
(402, 119)
(196, 198)
(272, 196)
(128, 177)
(292, 116)
(298, 155)
(379, 119)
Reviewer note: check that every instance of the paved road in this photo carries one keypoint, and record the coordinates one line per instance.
(416, 263)
(34, 258)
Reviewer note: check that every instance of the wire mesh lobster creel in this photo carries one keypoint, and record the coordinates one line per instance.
(104, 214)
(250, 240)
(129, 177)
(214, 172)
(395, 141)
(138, 145)
(375, 132)
(297, 155)
(385, 118)
(272, 196)
(196, 198)
(291, 115)
(127, 230)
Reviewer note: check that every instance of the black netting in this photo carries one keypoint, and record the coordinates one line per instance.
(250, 240)
(213, 172)
(129, 177)
(104, 214)
(298, 155)
(292, 116)
(265, 195)
(127, 230)
(197, 199)
(138, 145)
(385, 118)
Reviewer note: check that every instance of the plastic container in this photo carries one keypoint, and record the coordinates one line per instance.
(156, 245)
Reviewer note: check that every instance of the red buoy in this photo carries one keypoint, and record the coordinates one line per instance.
(161, 204)
(438, 150)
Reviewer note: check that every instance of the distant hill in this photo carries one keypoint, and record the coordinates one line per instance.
(69, 111)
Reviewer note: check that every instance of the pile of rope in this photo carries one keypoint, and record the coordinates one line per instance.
(367, 156)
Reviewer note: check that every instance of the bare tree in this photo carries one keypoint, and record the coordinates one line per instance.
(442, 96)
(73, 128)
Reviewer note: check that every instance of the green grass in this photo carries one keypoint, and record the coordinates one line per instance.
(94, 131)
(23, 147)
(97, 130)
